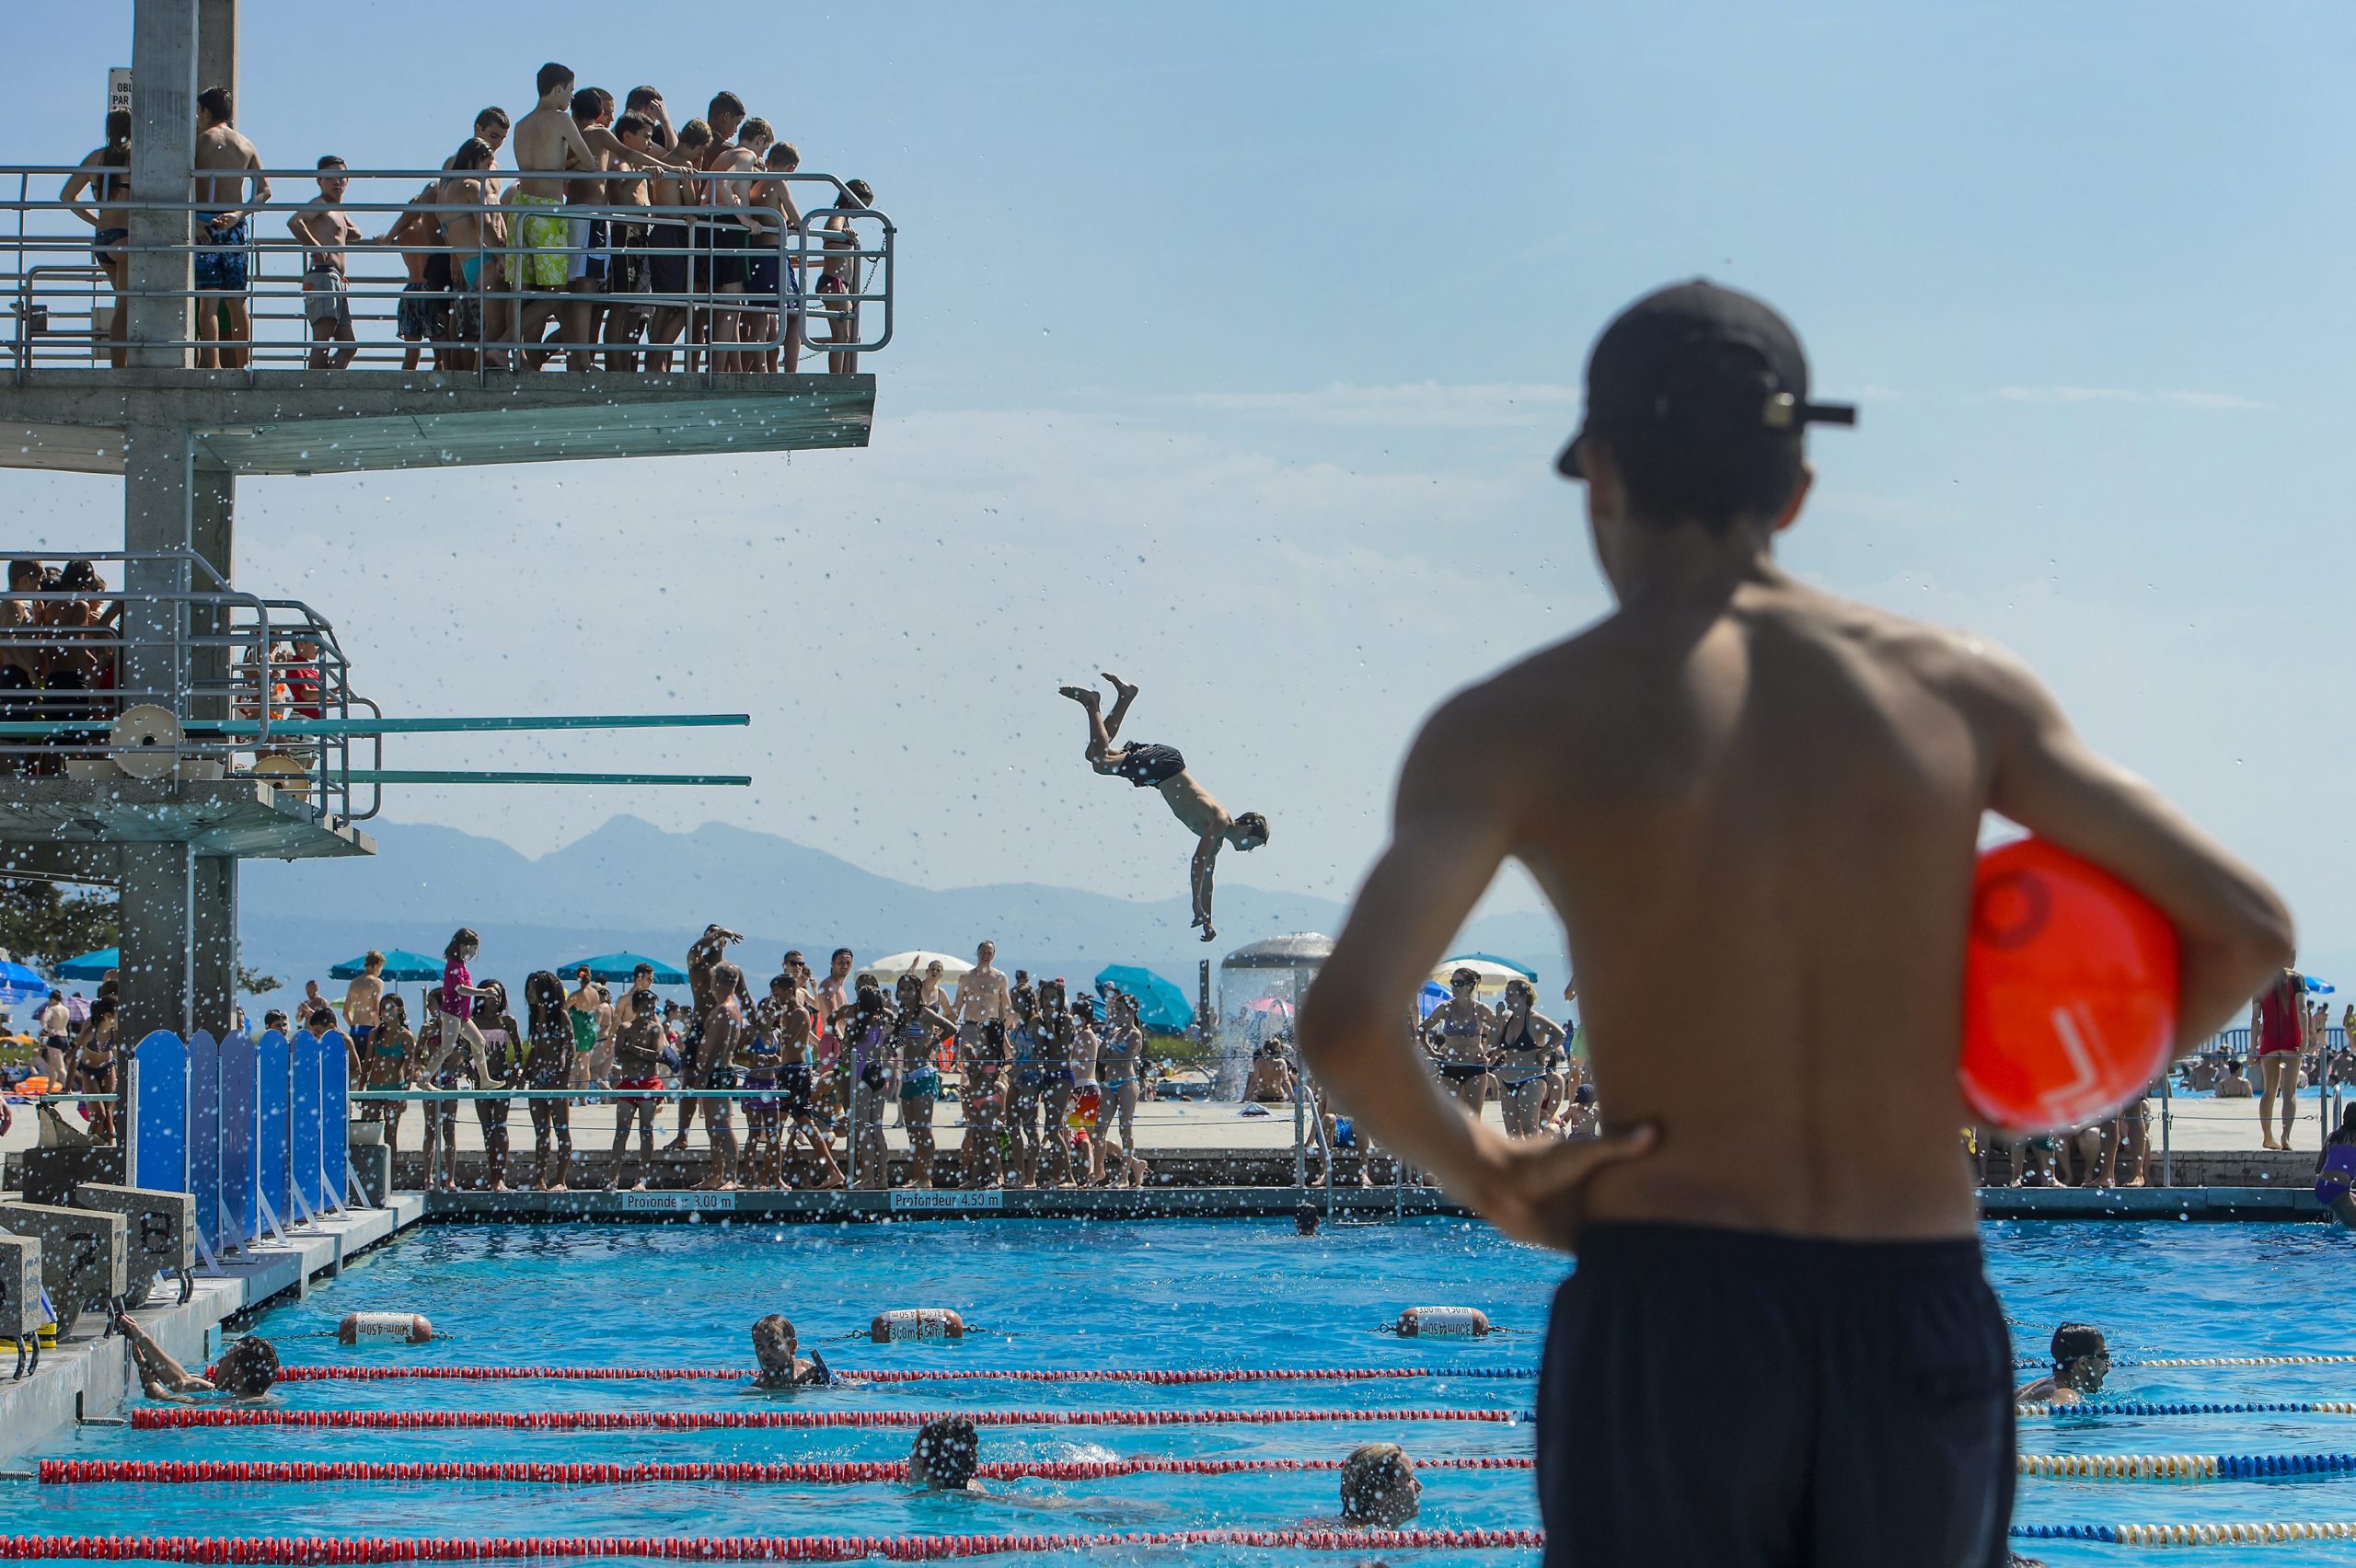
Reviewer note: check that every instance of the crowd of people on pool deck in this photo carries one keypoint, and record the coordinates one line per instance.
(701, 214)
(1048, 1081)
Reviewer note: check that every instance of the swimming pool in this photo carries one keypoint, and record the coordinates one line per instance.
(1044, 1295)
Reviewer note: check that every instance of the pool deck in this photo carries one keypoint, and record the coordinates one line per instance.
(88, 1375)
(1349, 1203)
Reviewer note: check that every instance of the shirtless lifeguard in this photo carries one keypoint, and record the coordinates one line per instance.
(1748, 797)
(1161, 768)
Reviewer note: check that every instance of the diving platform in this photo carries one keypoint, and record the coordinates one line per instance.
(297, 421)
(242, 819)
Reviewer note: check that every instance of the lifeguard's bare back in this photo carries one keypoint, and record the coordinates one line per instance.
(1163, 769)
(1756, 807)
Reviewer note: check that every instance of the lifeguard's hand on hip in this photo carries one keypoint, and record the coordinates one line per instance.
(1534, 1189)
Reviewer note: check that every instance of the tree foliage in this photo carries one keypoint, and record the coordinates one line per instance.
(42, 924)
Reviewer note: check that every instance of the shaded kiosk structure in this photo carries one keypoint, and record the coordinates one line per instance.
(228, 725)
(1260, 988)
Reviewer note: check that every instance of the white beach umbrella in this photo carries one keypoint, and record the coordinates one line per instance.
(1493, 975)
(914, 962)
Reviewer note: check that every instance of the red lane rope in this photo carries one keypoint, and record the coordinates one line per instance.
(305, 1552)
(150, 1418)
(852, 1472)
(327, 1372)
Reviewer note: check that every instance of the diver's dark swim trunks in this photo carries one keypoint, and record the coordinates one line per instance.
(1729, 1399)
(1150, 766)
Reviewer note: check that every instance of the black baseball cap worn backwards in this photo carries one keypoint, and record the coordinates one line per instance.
(1695, 362)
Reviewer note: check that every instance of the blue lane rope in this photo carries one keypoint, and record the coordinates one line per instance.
(2042, 1361)
(2194, 1407)
(2181, 1467)
(2224, 1533)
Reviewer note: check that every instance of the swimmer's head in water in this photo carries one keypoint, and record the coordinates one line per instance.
(946, 1453)
(247, 1368)
(774, 1343)
(1379, 1486)
(2081, 1356)
(1251, 831)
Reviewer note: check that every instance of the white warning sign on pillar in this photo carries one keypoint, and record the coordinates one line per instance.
(119, 89)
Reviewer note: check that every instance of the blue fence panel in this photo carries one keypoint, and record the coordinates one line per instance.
(160, 1113)
(240, 1145)
(272, 1076)
(335, 1111)
(204, 1135)
(303, 1107)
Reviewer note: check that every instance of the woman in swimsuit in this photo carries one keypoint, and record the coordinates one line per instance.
(1457, 1035)
(916, 1038)
(503, 1064)
(94, 1066)
(106, 174)
(1120, 1051)
(549, 1065)
(1023, 1084)
(1056, 1036)
(386, 1064)
(984, 1068)
(1526, 1044)
(838, 275)
(764, 1105)
(866, 1027)
(2335, 1170)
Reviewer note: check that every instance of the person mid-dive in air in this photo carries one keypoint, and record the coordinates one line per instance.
(1160, 767)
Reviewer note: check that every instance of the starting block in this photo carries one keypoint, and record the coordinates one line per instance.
(21, 1317)
(81, 1256)
(159, 1234)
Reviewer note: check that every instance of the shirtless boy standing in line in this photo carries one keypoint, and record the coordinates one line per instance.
(982, 996)
(547, 143)
(326, 232)
(1161, 768)
(1736, 766)
(222, 232)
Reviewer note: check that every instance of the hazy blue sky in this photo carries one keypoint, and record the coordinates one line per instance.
(1234, 341)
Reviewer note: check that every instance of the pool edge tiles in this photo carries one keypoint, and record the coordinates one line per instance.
(88, 1374)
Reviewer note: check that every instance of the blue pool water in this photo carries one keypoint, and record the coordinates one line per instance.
(1044, 1295)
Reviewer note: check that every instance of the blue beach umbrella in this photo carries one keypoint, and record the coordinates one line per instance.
(90, 965)
(18, 984)
(399, 965)
(620, 966)
(1429, 999)
(1162, 1005)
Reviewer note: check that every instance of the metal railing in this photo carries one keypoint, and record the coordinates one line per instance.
(692, 287)
(243, 675)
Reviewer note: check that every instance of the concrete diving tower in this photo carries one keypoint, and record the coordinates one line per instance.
(172, 724)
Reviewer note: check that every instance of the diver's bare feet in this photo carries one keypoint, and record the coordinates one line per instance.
(1086, 697)
(1121, 688)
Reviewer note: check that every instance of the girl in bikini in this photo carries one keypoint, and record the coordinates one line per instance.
(919, 1035)
(1526, 1044)
(865, 1027)
(985, 1106)
(1120, 1051)
(501, 1066)
(93, 1067)
(1025, 1084)
(385, 1064)
(549, 1065)
(1058, 1038)
(1457, 1035)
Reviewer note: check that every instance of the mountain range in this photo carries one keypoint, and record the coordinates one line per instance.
(632, 885)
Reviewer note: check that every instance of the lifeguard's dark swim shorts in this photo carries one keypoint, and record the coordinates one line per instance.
(1730, 1398)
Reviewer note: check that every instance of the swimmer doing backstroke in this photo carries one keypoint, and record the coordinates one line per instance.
(1161, 768)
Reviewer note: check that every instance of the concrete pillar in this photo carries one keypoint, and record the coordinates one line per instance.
(163, 143)
(213, 505)
(213, 995)
(216, 47)
(156, 487)
(158, 937)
